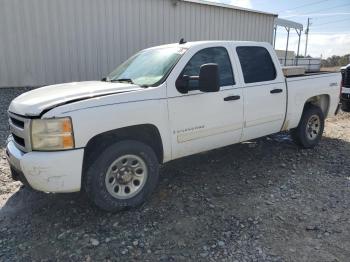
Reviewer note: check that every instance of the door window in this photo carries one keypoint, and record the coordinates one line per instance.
(256, 63)
(217, 55)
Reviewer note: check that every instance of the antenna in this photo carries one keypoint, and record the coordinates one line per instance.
(182, 41)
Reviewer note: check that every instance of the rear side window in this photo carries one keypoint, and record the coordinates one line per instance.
(217, 55)
(256, 63)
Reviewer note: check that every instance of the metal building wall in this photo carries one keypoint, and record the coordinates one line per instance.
(52, 41)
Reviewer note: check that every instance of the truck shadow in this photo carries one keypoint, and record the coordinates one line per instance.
(239, 170)
(265, 189)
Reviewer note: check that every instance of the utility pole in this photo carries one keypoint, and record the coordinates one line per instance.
(307, 34)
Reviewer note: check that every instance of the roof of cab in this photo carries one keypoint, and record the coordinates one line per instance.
(200, 43)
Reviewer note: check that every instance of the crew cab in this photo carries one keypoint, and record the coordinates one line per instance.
(109, 137)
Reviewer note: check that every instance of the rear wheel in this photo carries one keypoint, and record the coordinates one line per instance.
(310, 129)
(123, 175)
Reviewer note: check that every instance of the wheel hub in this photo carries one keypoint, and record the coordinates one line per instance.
(313, 127)
(126, 176)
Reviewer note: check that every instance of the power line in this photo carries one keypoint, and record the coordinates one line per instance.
(327, 33)
(326, 15)
(313, 3)
(332, 7)
(324, 9)
(332, 22)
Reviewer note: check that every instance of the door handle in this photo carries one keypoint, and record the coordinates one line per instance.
(231, 98)
(275, 91)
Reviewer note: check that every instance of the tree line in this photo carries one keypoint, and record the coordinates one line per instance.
(336, 61)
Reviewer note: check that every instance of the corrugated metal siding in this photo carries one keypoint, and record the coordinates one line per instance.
(45, 42)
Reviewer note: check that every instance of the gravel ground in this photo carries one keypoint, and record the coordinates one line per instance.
(265, 200)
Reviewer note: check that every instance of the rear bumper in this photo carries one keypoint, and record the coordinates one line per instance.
(46, 171)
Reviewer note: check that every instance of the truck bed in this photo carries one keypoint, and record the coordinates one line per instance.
(301, 88)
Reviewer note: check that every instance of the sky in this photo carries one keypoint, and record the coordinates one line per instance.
(330, 23)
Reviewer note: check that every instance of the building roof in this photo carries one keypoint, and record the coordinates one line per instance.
(288, 23)
(203, 2)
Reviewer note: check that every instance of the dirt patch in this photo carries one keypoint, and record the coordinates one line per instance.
(264, 200)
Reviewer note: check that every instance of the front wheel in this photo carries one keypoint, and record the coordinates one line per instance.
(310, 129)
(123, 175)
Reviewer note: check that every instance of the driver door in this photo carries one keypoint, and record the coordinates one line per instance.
(202, 121)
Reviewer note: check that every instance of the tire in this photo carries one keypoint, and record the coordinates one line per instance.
(118, 162)
(310, 129)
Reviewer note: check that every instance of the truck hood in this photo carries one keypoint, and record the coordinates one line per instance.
(34, 102)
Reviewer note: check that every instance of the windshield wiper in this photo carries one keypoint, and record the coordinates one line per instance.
(128, 80)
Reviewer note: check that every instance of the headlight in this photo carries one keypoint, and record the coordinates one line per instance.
(52, 134)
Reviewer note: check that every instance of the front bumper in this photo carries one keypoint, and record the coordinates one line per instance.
(57, 172)
(345, 100)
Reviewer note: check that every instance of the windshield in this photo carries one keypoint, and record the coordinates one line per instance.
(148, 67)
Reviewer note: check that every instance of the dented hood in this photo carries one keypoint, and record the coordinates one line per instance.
(34, 102)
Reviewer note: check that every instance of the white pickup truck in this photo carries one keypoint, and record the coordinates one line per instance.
(109, 137)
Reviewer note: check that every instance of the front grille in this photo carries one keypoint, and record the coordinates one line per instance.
(19, 140)
(345, 96)
(346, 77)
(19, 127)
(17, 122)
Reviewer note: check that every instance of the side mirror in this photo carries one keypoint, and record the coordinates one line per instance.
(209, 80)
(182, 84)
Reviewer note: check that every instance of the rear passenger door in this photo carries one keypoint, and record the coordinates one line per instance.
(264, 92)
(203, 121)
